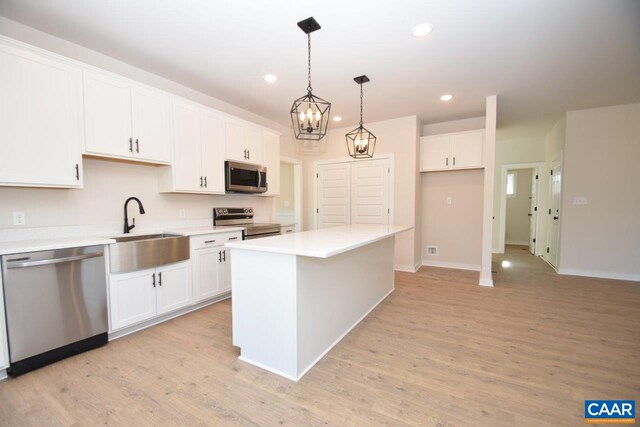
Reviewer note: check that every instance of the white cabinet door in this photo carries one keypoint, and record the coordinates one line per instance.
(187, 160)
(174, 288)
(132, 298)
(466, 149)
(334, 194)
(40, 120)
(206, 263)
(234, 141)
(151, 124)
(253, 144)
(271, 154)
(370, 192)
(243, 142)
(288, 229)
(212, 138)
(224, 272)
(107, 112)
(434, 152)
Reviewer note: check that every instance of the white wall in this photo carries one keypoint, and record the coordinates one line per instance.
(456, 229)
(514, 151)
(602, 152)
(285, 202)
(102, 199)
(397, 136)
(518, 207)
(472, 123)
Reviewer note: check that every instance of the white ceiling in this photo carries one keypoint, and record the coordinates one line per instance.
(542, 57)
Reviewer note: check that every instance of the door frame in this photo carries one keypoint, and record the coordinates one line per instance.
(557, 158)
(297, 191)
(540, 170)
(316, 163)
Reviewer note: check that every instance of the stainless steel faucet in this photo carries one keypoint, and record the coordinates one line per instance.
(128, 227)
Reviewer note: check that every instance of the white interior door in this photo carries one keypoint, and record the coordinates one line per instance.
(334, 194)
(370, 192)
(553, 241)
(533, 212)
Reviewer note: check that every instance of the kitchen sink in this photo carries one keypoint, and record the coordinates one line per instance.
(138, 252)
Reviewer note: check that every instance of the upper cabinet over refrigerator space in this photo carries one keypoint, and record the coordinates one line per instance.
(244, 142)
(459, 150)
(40, 119)
(126, 120)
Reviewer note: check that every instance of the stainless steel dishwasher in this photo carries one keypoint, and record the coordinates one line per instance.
(56, 305)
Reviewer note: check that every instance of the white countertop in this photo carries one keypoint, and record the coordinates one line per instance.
(32, 245)
(22, 246)
(322, 243)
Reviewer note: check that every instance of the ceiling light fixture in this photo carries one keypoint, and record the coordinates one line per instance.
(310, 113)
(360, 142)
(270, 78)
(337, 118)
(446, 97)
(422, 30)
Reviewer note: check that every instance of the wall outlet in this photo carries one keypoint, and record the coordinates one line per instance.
(580, 201)
(19, 218)
(449, 200)
(182, 213)
(432, 250)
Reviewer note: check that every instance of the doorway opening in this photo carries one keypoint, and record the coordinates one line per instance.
(288, 204)
(522, 206)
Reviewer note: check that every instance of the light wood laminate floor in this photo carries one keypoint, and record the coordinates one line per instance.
(439, 351)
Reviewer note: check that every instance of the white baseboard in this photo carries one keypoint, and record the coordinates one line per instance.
(456, 265)
(599, 274)
(517, 242)
(406, 268)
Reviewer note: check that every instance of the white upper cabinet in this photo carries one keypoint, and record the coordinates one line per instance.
(125, 120)
(271, 155)
(198, 151)
(151, 124)
(460, 150)
(243, 142)
(40, 120)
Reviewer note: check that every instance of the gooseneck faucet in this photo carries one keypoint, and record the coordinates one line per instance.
(128, 227)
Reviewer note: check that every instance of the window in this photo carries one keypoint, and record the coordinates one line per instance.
(512, 184)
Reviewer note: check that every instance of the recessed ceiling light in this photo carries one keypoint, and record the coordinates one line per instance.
(422, 30)
(337, 118)
(446, 97)
(270, 78)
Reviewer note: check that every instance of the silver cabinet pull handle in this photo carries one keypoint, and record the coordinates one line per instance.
(11, 264)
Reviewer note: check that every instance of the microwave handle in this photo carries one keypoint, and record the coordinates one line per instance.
(259, 179)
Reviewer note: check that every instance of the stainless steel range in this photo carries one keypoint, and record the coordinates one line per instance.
(243, 217)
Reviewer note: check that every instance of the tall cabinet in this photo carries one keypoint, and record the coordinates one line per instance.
(41, 119)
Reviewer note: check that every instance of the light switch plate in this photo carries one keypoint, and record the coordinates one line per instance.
(182, 213)
(449, 200)
(580, 201)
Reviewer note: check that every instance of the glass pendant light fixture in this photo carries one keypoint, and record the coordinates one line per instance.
(310, 113)
(360, 142)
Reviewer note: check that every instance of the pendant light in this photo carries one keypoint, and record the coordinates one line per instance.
(360, 142)
(310, 113)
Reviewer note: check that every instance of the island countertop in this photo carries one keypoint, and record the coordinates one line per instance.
(322, 243)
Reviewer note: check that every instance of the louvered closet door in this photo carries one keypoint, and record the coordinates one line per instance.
(370, 192)
(334, 195)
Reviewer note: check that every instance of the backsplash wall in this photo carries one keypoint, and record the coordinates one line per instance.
(107, 184)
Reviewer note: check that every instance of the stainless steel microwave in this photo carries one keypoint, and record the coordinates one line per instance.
(245, 177)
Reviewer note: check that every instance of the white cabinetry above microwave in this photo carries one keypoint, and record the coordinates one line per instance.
(460, 150)
(126, 120)
(244, 142)
(41, 119)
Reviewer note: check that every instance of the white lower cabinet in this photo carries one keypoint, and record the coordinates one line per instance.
(211, 264)
(287, 229)
(141, 295)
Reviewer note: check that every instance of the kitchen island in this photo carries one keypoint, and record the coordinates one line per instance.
(295, 296)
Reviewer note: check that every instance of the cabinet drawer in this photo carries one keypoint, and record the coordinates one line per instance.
(288, 229)
(217, 239)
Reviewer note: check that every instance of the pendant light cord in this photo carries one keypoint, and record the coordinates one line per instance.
(309, 61)
(361, 104)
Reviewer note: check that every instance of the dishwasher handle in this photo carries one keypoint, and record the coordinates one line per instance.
(15, 264)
